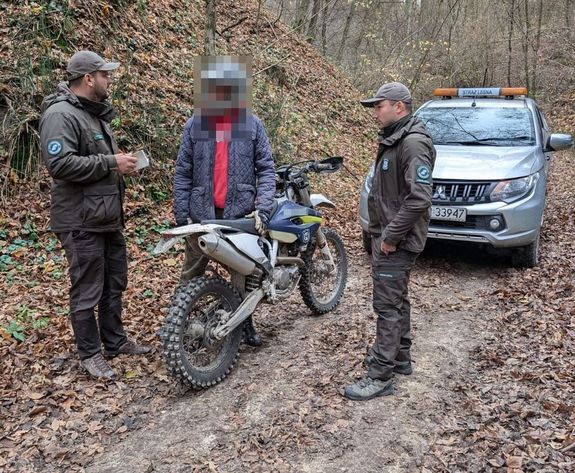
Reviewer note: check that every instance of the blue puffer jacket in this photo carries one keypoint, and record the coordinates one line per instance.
(251, 176)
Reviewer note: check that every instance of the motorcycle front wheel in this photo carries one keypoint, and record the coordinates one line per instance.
(190, 351)
(320, 286)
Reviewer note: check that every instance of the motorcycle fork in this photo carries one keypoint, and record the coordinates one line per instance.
(325, 252)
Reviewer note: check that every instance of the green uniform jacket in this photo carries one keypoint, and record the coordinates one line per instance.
(400, 197)
(78, 149)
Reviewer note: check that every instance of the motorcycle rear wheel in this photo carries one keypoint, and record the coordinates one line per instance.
(320, 290)
(191, 354)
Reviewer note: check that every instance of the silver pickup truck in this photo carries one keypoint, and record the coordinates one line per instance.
(493, 154)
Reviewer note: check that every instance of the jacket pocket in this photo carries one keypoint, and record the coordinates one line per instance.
(101, 206)
(245, 198)
(196, 204)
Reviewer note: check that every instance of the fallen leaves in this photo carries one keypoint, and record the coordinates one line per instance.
(519, 410)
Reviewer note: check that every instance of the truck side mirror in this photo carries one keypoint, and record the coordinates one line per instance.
(559, 141)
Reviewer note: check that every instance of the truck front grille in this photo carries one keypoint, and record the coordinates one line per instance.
(461, 192)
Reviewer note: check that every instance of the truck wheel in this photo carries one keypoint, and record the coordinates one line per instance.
(526, 256)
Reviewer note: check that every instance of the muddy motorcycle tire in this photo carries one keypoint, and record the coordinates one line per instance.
(191, 355)
(320, 291)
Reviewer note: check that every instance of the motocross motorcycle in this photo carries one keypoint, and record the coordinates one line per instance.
(203, 327)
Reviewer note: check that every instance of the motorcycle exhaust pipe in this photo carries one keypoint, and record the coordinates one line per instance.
(221, 251)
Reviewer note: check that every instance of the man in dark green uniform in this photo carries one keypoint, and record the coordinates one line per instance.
(86, 208)
(398, 204)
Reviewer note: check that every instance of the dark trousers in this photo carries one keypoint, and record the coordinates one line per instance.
(98, 270)
(391, 304)
(195, 263)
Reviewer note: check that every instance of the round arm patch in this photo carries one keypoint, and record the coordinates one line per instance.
(54, 147)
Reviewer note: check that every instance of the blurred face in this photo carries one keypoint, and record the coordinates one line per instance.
(387, 112)
(220, 93)
(99, 82)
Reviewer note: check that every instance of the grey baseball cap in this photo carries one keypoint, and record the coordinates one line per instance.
(391, 91)
(86, 62)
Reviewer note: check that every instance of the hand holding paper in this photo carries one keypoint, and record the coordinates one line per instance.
(143, 160)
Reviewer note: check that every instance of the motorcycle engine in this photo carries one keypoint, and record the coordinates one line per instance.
(285, 279)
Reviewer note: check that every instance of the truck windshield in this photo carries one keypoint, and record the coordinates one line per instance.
(479, 126)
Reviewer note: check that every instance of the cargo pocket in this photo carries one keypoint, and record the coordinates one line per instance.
(245, 198)
(389, 285)
(101, 206)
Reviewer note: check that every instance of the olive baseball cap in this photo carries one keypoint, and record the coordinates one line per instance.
(391, 91)
(86, 62)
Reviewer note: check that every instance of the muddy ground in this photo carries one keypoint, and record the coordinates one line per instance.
(282, 408)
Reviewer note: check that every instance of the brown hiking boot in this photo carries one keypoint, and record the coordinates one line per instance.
(129, 347)
(97, 366)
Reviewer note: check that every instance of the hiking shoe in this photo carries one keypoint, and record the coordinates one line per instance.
(97, 366)
(367, 388)
(129, 347)
(405, 368)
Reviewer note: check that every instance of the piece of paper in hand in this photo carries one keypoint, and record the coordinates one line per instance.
(143, 160)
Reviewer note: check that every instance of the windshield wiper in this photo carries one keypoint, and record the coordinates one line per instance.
(509, 138)
(460, 143)
(487, 141)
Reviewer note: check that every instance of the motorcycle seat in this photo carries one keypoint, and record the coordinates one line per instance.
(243, 224)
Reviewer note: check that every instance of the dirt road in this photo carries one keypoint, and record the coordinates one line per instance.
(281, 409)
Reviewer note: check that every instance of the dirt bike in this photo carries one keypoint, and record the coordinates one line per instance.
(203, 327)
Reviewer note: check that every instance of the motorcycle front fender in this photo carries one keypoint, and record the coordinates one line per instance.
(169, 238)
(319, 200)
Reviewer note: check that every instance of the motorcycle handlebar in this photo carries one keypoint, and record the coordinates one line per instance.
(314, 166)
(318, 167)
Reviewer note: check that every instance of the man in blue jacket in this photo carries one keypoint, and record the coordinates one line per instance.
(224, 167)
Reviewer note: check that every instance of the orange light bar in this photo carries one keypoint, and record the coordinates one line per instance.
(445, 92)
(480, 92)
(513, 91)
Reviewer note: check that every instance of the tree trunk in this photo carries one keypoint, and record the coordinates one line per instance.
(257, 27)
(568, 13)
(360, 39)
(210, 31)
(534, 75)
(345, 32)
(525, 44)
(312, 26)
(510, 41)
(324, 17)
(300, 14)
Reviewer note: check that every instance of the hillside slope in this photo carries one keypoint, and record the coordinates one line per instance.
(307, 105)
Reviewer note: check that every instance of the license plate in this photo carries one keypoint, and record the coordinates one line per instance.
(454, 214)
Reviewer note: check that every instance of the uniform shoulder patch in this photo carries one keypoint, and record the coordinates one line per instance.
(54, 147)
(423, 175)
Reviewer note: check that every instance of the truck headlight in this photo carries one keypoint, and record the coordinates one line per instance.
(513, 189)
